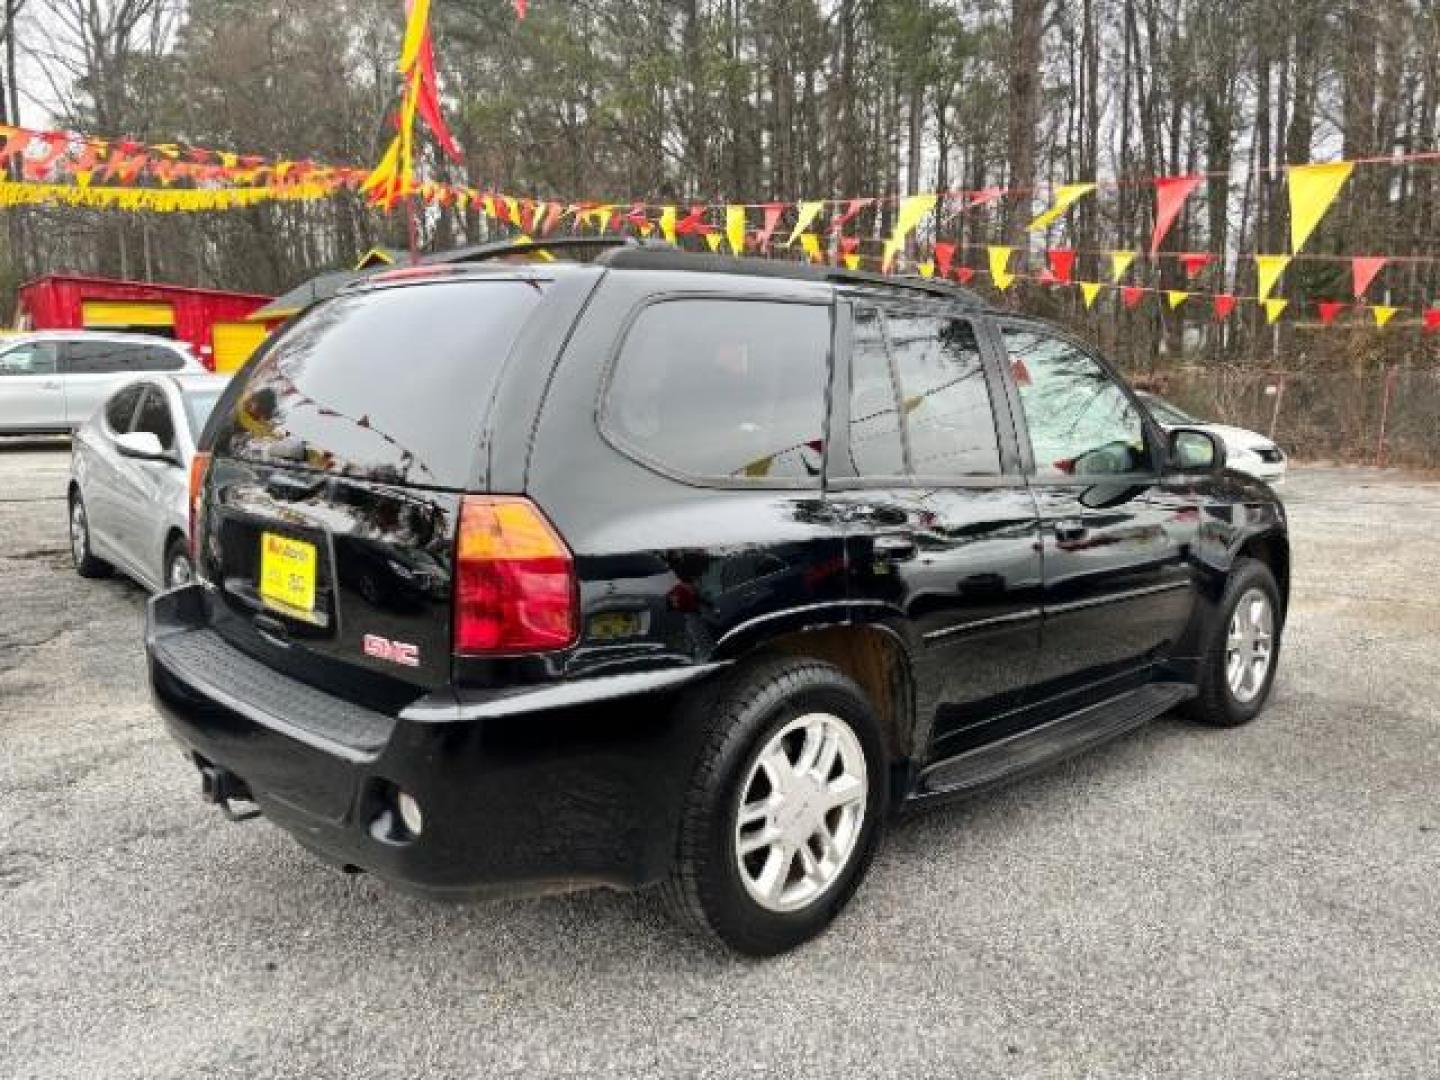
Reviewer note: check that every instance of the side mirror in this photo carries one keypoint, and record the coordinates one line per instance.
(1194, 451)
(144, 445)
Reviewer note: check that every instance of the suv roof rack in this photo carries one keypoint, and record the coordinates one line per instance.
(660, 256)
(499, 249)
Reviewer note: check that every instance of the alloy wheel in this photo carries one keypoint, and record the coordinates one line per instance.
(1250, 646)
(801, 811)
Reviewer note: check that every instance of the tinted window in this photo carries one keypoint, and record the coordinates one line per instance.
(941, 415)
(37, 358)
(118, 357)
(154, 417)
(724, 388)
(1081, 423)
(121, 408)
(875, 443)
(944, 400)
(390, 384)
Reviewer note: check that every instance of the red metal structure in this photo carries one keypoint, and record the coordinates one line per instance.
(216, 324)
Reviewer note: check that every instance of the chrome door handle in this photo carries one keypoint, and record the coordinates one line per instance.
(50, 385)
(1070, 530)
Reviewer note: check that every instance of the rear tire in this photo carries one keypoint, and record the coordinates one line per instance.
(86, 564)
(1237, 669)
(771, 850)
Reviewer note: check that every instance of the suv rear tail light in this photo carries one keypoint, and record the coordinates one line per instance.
(199, 465)
(515, 587)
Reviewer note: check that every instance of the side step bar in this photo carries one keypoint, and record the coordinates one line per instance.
(1051, 741)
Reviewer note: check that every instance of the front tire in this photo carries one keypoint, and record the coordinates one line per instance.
(1237, 669)
(86, 564)
(785, 807)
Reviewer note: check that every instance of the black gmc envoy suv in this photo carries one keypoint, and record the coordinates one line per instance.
(520, 570)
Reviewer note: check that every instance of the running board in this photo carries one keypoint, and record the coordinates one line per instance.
(1059, 738)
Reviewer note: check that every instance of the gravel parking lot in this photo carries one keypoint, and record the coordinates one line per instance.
(1191, 903)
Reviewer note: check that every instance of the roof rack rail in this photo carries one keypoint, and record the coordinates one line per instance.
(498, 249)
(668, 257)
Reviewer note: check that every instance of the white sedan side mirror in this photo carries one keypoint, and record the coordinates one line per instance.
(144, 445)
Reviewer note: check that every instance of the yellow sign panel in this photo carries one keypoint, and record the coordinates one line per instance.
(287, 573)
(127, 313)
(235, 341)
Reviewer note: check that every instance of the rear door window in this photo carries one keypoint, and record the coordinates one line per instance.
(919, 402)
(389, 384)
(104, 357)
(718, 389)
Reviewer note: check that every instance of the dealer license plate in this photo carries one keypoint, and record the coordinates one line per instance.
(287, 573)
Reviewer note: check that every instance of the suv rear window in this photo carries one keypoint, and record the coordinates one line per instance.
(115, 357)
(391, 384)
(724, 389)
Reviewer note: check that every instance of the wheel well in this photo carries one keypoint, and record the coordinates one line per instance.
(876, 662)
(1274, 551)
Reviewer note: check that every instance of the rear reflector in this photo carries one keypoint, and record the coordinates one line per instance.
(514, 579)
(199, 465)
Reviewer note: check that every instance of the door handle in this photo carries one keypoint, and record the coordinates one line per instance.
(1070, 530)
(894, 546)
(50, 384)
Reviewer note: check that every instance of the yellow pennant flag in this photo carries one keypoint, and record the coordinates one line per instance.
(1383, 314)
(667, 223)
(1312, 189)
(852, 262)
(1268, 270)
(1273, 308)
(807, 214)
(927, 269)
(811, 243)
(1090, 290)
(735, 228)
(1120, 261)
(912, 209)
(887, 258)
(713, 239)
(414, 34)
(1066, 195)
(999, 267)
(1176, 297)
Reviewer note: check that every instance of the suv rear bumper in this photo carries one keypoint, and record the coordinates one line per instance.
(566, 786)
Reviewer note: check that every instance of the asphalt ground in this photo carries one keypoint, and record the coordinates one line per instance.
(1184, 902)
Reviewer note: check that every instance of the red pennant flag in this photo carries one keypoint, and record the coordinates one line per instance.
(16, 139)
(694, 222)
(1364, 268)
(772, 218)
(964, 274)
(944, 257)
(1224, 305)
(983, 197)
(1432, 320)
(1132, 295)
(849, 244)
(1170, 195)
(843, 218)
(1062, 263)
(521, 7)
(1328, 310)
(1195, 261)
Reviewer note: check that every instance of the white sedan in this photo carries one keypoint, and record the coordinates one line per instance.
(1246, 451)
(129, 479)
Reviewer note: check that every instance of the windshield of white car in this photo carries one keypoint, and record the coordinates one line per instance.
(1167, 413)
(198, 406)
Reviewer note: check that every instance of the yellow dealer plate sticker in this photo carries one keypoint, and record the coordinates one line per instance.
(287, 573)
